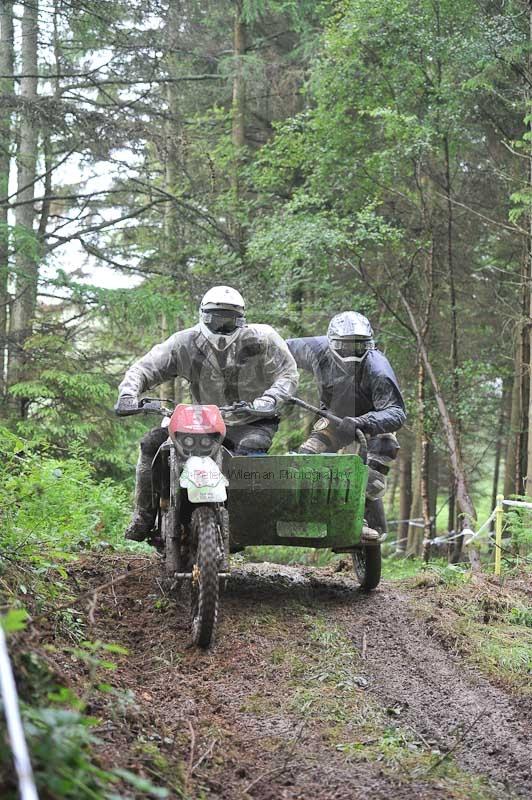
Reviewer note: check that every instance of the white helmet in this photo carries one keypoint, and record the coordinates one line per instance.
(221, 316)
(350, 337)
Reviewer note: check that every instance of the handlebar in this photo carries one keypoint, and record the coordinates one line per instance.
(246, 409)
(152, 405)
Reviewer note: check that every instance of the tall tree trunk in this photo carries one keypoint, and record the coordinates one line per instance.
(392, 491)
(524, 375)
(6, 89)
(172, 131)
(405, 493)
(498, 448)
(451, 275)
(434, 481)
(26, 251)
(424, 477)
(465, 504)
(456, 548)
(172, 137)
(239, 115)
(510, 469)
(239, 82)
(419, 502)
(415, 529)
(528, 335)
(451, 515)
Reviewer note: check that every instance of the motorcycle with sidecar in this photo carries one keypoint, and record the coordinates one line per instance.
(212, 502)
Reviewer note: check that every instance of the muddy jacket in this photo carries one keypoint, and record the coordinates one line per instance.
(257, 363)
(371, 393)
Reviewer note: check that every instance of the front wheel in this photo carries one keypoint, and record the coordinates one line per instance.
(205, 585)
(367, 566)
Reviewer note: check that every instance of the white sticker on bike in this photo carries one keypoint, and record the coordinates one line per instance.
(203, 480)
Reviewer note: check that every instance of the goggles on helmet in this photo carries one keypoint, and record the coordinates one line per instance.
(222, 320)
(351, 348)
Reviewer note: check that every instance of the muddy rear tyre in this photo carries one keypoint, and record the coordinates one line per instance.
(205, 586)
(367, 566)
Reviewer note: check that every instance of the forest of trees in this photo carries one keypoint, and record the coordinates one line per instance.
(373, 155)
(318, 156)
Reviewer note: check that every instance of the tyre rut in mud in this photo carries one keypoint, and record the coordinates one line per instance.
(279, 710)
(438, 694)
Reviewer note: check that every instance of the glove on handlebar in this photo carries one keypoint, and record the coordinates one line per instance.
(264, 403)
(126, 404)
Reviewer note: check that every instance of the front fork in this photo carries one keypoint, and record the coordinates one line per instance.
(223, 536)
(178, 542)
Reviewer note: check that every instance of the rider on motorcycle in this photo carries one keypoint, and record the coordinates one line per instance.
(355, 382)
(225, 361)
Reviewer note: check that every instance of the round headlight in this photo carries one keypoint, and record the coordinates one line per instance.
(205, 441)
(188, 441)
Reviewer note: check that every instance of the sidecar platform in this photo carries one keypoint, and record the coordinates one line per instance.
(303, 500)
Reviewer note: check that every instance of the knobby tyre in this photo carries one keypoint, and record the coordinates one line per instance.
(367, 566)
(205, 586)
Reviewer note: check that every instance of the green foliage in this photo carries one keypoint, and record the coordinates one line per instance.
(518, 522)
(521, 615)
(140, 784)
(25, 242)
(52, 508)
(442, 574)
(15, 620)
(396, 569)
(62, 736)
(62, 743)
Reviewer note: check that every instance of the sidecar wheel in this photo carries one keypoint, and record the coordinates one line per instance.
(205, 585)
(367, 566)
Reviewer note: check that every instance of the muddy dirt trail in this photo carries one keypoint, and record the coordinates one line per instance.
(313, 690)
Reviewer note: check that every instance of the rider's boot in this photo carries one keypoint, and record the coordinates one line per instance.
(369, 535)
(144, 515)
(140, 526)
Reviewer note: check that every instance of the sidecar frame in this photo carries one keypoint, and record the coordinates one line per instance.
(296, 500)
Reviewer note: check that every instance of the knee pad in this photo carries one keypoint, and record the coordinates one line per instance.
(256, 441)
(376, 487)
(316, 444)
(382, 450)
(151, 441)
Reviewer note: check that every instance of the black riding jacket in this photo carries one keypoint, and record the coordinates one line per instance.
(371, 393)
